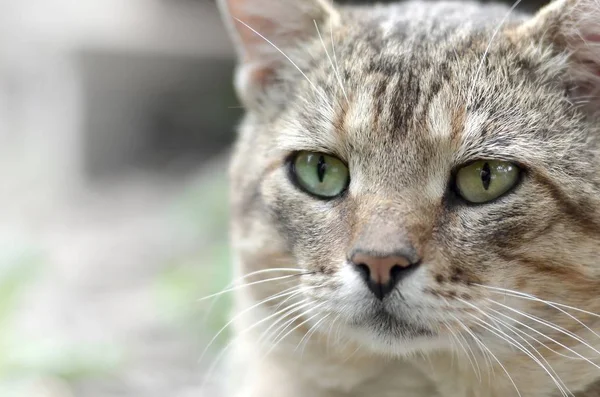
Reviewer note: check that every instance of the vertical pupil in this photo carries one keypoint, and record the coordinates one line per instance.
(321, 168)
(486, 176)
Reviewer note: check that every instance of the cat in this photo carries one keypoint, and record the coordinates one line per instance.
(415, 194)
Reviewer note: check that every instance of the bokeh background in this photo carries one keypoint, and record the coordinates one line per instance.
(116, 119)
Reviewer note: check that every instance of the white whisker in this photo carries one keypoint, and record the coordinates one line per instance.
(328, 343)
(282, 328)
(454, 350)
(337, 75)
(234, 340)
(245, 285)
(516, 329)
(549, 366)
(314, 87)
(351, 354)
(266, 335)
(337, 66)
(494, 357)
(512, 342)
(550, 325)
(238, 315)
(302, 290)
(279, 339)
(237, 280)
(307, 336)
(502, 22)
(476, 371)
(554, 305)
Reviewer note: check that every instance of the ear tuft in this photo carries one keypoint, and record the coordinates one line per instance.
(581, 33)
(573, 27)
(263, 30)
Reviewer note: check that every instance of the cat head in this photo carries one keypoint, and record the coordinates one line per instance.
(427, 167)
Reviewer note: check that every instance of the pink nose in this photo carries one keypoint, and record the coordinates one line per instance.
(382, 273)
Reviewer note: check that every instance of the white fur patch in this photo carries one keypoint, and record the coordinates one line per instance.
(439, 119)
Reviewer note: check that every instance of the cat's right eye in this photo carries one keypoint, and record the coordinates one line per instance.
(486, 180)
(320, 174)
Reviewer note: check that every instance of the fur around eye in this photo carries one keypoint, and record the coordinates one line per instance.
(319, 174)
(486, 180)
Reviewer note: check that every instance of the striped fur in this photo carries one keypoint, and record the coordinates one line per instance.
(405, 94)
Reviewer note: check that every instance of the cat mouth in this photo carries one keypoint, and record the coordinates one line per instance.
(392, 326)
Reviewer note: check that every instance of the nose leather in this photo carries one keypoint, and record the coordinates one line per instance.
(382, 273)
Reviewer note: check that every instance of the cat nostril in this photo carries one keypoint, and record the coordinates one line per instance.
(364, 271)
(395, 272)
(382, 273)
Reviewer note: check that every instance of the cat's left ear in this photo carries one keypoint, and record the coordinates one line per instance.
(263, 31)
(572, 27)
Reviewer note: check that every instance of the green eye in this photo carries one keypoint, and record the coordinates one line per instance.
(320, 174)
(486, 180)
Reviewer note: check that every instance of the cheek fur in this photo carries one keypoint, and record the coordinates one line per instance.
(316, 231)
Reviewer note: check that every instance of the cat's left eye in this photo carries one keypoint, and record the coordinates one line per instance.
(486, 180)
(320, 174)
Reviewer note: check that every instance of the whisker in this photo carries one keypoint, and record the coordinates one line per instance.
(483, 352)
(494, 357)
(339, 79)
(502, 22)
(238, 315)
(516, 329)
(476, 371)
(270, 270)
(526, 295)
(245, 285)
(237, 280)
(512, 328)
(266, 335)
(523, 295)
(337, 66)
(300, 291)
(283, 313)
(352, 354)
(454, 350)
(470, 333)
(278, 341)
(282, 328)
(512, 342)
(308, 335)
(328, 343)
(547, 324)
(314, 87)
(553, 340)
(234, 340)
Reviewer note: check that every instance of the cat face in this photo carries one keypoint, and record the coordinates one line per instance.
(432, 169)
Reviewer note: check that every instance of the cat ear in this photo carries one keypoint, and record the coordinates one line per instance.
(572, 27)
(262, 30)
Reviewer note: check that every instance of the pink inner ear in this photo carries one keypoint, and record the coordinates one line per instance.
(261, 75)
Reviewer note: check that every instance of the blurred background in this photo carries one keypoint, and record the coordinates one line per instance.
(116, 118)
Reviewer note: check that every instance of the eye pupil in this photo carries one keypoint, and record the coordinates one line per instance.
(321, 168)
(321, 175)
(485, 180)
(486, 176)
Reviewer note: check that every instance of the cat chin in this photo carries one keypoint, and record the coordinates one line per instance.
(390, 344)
(385, 334)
